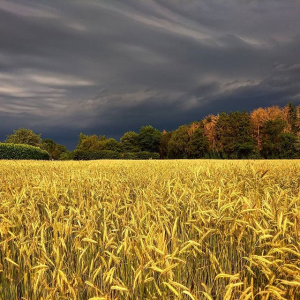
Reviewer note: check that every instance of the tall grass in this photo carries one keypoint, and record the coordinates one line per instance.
(150, 230)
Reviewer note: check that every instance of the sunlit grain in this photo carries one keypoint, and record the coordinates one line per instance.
(150, 230)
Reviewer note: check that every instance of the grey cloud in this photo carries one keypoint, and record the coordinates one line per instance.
(109, 66)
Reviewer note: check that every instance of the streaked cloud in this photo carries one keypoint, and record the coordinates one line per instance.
(29, 9)
(106, 67)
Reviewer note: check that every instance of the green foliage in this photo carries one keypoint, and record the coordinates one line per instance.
(278, 144)
(267, 132)
(177, 146)
(198, 144)
(112, 145)
(213, 155)
(90, 143)
(246, 150)
(292, 117)
(234, 138)
(283, 145)
(141, 155)
(95, 143)
(149, 139)
(129, 155)
(272, 129)
(289, 146)
(55, 150)
(19, 151)
(164, 144)
(147, 155)
(185, 142)
(94, 155)
(107, 154)
(68, 155)
(271, 144)
(130, 142)
(24, 136)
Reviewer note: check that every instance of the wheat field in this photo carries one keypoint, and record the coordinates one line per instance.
(189, 229)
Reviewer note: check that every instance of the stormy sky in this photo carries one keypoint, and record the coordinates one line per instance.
(109, 66)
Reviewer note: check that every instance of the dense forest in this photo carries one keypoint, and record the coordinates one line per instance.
(271, 132)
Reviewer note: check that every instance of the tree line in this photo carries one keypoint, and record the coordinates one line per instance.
(270, 132)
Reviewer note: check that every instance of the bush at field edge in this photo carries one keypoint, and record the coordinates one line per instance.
(20, 151)
(107, 154)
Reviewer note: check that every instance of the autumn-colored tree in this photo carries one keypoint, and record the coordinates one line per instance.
(209, 126)
(275, 112)
(262, 115)
(192, 128)
(270, 132)
(258, 118)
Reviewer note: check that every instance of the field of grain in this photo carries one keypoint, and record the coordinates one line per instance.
(190, 229)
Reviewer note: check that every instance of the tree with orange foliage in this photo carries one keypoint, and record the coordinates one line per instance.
(258, 118)
(209, 124)
(192, 128)
(262, 115)
(275, 112)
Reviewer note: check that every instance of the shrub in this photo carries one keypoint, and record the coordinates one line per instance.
(107, 154)
(147, 155)
(66, 156)
(18, 151)
(95, 155)
(129, 155)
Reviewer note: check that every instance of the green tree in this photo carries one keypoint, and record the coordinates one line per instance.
(102, 138)
(112, 144)
(164, 144)
(130, 142)
(292, 117)
(234, 135)
(55, 150)
(289, 146)
(90, 143)
(272, 138)
(68, 155)
(177, 147)
(198, 144)
(24, 136)
(149, 139)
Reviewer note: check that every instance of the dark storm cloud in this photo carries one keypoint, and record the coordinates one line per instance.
(108, 66)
